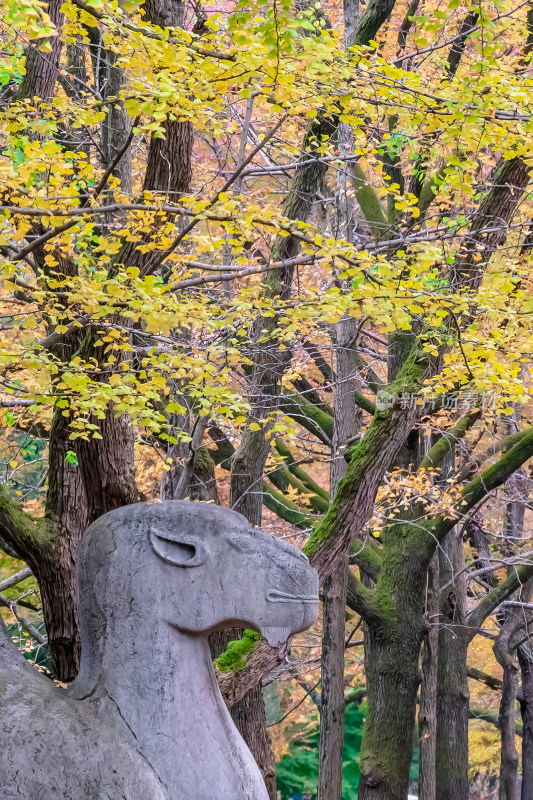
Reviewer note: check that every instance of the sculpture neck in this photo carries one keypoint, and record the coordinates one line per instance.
(161, 678)
(165, 691)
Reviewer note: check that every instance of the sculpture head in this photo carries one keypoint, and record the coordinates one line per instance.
(197, 567)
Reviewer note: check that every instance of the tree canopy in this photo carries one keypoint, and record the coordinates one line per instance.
(279, 254)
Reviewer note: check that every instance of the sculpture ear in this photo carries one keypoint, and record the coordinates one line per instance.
(181, 551)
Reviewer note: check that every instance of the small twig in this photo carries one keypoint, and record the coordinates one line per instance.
(460, 342)
(352, 634)
(357, 643)
(23, 622)
(306, 695)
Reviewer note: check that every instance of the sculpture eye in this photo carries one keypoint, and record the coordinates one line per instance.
(179, 553)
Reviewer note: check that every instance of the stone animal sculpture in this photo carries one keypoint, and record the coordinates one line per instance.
(145, 719)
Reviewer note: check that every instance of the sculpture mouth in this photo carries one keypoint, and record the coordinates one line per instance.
(283, 597)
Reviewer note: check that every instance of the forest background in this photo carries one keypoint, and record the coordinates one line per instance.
(277, 256)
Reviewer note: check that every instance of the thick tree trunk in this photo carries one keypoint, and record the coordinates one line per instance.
(392, 678)
(66, 507)
(452, 718)
(250, 718)
(165, 13)
(495, 210)
(246, 496)
(107, 466)
(427, 716)
(392, 651)
(42, 68)
(332, 695)
(248, 461)
(168, 169)
(103, 477)
(525, 659)
(452, 682)
(507, 723)
(57, 584)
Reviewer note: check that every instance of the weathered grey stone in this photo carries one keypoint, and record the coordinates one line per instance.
(145, 719)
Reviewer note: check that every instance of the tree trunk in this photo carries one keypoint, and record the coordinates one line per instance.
(452, 717)
(78, 493)
(42, 68)
(427, 716)
(392, 650)
(66, 507)
(503, 647)
(525, 659)
(168, 169)
(202, 484)
(116, 126)
(250, 718)
(246, 496)
(102, 478)
(392, 679)
(507, 725)
(496, 209)
(347, 424)
(452, 682)
(107, 466)
(332, 695)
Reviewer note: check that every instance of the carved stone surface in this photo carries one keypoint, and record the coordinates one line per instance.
(145, 719)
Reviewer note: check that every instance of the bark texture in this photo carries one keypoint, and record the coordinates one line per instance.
(67, 510)
(453, 695)
(495, 212)
(391, 663)
(168, 169)
(427, 716)
(509, 789)
(332, 694)
(504, 650)
(202, 486)
(525, 659)
(116, 125)
(42, 68)
(347, 424)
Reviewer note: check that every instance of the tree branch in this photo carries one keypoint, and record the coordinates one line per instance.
(449, 440)
(362, 600)
(496, 596)
(490, 479)
(26, 535)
